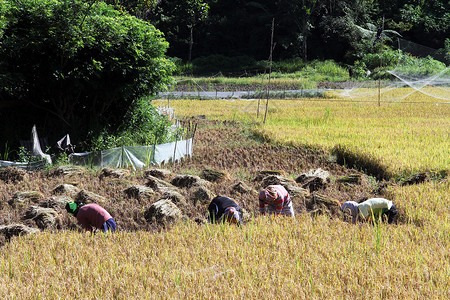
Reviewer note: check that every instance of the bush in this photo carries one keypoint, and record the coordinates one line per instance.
(79, 65)
(359, 69)
(419, 66)
(142, 125)
(329, 68)
(390, 59)
(181, 68)
(399, 62)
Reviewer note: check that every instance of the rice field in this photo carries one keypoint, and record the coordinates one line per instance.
(406, 136)
(271, 258)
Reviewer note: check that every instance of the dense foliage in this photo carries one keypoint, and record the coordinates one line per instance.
(142, 125)
(75, 66)
(309, 29)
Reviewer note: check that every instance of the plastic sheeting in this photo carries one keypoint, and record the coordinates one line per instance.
(64, 144)
(36, 146)
(135, 157)
(40, 159)
(34, 165)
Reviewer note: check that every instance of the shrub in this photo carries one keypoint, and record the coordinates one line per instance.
(142, 125)
(330, 68)
(390, 59)
(399, 62)
(419, 66)
(181, 67)
(360, 69)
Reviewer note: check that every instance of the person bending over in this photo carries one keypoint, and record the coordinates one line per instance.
(91, 216)
(375, 208)
(223, 209)
(277, 199)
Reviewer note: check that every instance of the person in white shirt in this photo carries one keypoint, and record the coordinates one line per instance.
(374, 208)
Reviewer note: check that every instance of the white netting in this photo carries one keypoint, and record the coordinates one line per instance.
(428, 75)
(419, 69)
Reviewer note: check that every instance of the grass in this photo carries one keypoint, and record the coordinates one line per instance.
(317, 71)
(405, 137)
(277, 80)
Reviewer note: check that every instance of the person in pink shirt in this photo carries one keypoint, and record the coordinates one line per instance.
(277, 199)
(91, 216)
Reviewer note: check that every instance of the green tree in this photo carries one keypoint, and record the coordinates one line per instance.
(238, 28)
(178, 19)
(371, 35)
(4, 7)
(426, 22)
(302, 13)
(142, 9)
(335, 28)
(77, 66)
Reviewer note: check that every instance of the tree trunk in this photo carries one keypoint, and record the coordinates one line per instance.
(191, 42)
(305, 39)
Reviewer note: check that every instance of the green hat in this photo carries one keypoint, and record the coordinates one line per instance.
(71, 207)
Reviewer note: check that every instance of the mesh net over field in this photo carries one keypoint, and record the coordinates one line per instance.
(419, 69)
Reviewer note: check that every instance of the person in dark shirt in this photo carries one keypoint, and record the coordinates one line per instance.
(223, 209)
(91, 216)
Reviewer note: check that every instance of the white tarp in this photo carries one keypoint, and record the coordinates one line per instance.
(135, 157)
(40, 159)
(34, 165)
(36, 146)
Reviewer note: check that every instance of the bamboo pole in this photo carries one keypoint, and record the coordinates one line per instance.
(270, 70)
(381, 64)
(259, 99)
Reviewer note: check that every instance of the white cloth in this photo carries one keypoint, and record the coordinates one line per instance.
(373, 206)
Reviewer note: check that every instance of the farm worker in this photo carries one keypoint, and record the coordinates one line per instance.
(373, 207)
(223, 209)
(91, 216)
(351, 207)
(277, 199)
